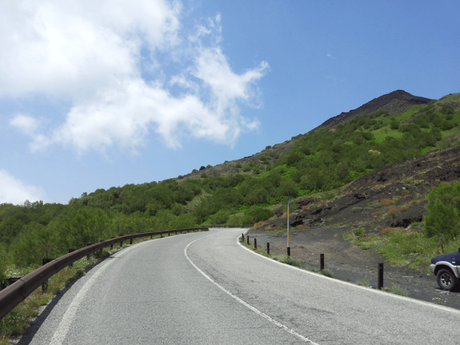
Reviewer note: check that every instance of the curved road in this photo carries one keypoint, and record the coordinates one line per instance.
(205, 288)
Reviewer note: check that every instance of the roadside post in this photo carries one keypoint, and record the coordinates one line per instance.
(380, 276)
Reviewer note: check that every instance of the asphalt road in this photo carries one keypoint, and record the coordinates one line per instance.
(205, 288)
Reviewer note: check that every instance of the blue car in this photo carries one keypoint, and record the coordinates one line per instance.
(447, 270)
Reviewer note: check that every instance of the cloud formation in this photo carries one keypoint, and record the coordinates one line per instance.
(93, 56)
(12, 190)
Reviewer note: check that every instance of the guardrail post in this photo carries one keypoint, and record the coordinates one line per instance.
(70, 251)
(268, 248)
(242, 237)
(88, 244)
(121, 244)
(45, 284)
(255, 243)
(247, 239)
(380, 277)
(288, 251)
(131, 241)
(321, 262)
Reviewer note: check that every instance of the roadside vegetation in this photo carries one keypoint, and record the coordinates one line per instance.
(416, 245)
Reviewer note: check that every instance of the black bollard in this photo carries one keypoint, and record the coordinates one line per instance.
(380, 278)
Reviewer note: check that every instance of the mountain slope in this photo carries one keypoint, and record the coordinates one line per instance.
(395, 102)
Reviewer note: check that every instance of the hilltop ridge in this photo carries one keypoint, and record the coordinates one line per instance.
(395, 102)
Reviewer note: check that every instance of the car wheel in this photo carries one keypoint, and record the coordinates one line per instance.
(446, 279)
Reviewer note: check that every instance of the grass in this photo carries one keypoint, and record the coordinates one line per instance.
(402, 247)
(397, 290)
(19, 318)
(363, 282)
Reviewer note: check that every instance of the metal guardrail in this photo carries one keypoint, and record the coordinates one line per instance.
(14, 294)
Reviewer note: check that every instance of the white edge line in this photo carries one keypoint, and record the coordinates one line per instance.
(383, 293)
(247, 305)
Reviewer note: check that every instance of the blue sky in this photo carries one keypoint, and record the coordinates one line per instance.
(95, 95)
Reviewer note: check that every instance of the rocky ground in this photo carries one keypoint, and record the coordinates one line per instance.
(387, 199)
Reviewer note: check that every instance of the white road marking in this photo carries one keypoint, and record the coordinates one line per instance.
(67, 319)
(247, 305)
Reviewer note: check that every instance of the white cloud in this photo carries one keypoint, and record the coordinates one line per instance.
(12, 190)
(25, 123)
(93, 55)
(75, 48)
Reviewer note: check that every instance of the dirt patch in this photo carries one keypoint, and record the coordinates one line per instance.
(351, 263)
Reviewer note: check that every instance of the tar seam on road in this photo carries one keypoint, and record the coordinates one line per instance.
(408, 299)
(247, 305)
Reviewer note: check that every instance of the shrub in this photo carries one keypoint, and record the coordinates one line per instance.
(256, 214)
(221, 217)
(368, 135)
(288, 186)
(235, 220)
(442, 218)
(446, 125)
(293, 158)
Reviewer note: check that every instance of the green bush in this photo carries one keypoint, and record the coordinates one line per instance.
(446, 125)
(288, 186)
(442, 218)
(258, 196)
(368, 135)
(256, 214)
(235, 220)
(221, 217)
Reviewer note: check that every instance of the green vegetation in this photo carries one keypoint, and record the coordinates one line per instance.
(363, 282)
(442, 218)
(416, 246)
(318, 162)
(397, 290)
